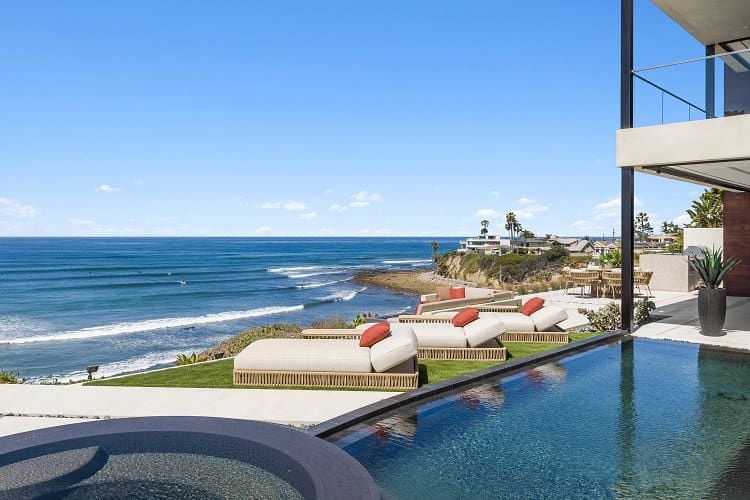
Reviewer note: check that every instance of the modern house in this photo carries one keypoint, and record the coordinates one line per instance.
(575, 246)
(486, 244)
(694, 136)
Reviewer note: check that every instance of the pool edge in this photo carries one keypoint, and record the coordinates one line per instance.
(340, 423)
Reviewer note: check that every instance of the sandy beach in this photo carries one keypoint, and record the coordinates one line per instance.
(416, 282)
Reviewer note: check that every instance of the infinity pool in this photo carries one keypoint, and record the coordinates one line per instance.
(646, 419)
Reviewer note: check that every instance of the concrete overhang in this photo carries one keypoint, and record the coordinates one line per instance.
(710, 21)
(712, 152)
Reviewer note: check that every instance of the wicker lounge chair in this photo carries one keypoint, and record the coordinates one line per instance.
(518, 327)
(477, 340)
(390, 364)
(432, 302)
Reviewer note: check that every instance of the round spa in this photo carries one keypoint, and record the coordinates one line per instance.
(177, 457)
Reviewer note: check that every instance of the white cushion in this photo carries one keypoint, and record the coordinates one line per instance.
(439, 335)
(513, 321)
(547, 317)
(475, 293)
(399, 346)
(480, 331)
(315, 355)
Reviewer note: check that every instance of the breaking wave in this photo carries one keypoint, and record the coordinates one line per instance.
(151, 324)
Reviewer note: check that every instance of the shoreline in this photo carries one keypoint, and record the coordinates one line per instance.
(410, 282)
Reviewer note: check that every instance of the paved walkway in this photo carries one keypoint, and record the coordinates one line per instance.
(25, 407)
(681, 324)
(571, 300)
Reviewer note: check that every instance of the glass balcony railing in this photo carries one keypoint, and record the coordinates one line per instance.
(682, 91)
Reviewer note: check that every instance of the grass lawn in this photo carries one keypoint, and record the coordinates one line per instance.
(218, 374)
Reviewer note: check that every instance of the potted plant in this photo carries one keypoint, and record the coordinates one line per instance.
(712, 300)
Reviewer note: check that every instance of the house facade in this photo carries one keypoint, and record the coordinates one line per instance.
(694, 137)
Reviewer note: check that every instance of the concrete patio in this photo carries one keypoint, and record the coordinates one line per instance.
(681, 324)
(26, 406)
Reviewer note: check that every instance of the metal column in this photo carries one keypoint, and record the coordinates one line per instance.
(627, 188)
(710, 82)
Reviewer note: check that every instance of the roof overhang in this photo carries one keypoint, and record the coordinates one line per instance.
(712, 152)
(710, 21)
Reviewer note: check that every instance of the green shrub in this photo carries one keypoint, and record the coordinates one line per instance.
(334, 323)
(359, 320)
(184, 359)
(609, 317)
(642, 310)
(8, 377)
(556, 254)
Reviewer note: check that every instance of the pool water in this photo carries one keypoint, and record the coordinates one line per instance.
(642, 418)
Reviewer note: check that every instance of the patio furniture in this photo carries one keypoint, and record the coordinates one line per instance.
(612, 281)
(567, 279)
(585, 279)
(389, 364)
(472, 296)
(518, 326)
(477, 340)
(643, 278)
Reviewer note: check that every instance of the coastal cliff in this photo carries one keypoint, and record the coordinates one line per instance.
(510, 271)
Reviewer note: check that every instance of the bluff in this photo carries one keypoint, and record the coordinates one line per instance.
(500, 271)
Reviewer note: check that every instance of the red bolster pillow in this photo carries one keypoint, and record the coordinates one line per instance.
(531, 306)
(374, 334)
(465, 316)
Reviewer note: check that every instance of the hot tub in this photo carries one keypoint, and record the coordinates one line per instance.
(177, 457)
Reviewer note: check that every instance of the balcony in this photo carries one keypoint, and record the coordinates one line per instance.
(692, 119)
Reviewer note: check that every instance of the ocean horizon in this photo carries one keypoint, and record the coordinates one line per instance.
(130, 304)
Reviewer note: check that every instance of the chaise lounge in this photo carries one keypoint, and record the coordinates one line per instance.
(390, 363)
(451, 297)
(531, 322)
(453, 339)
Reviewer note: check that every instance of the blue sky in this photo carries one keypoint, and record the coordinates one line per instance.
(319, 118)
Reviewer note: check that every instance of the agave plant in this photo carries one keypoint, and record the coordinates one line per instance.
(712, 267)
(184, 359)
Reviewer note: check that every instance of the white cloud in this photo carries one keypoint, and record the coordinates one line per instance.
(106, 188)
(585, 225)
(486, 212)
(290, 206)
(359, 204)
(495, 193)
(295, 206)
(16, 209)
(525, 201)
(262, 229)
(681, 220)
(611, 208)
(529, 209)
(79, 222)
(338, 208)
(308, 215)
(367, 196)
(328, 191)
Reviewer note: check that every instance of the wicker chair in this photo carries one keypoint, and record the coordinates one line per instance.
(643, 278)
(567, 280)
(612, 282)
(586, 279)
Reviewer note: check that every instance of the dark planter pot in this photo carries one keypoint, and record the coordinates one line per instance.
(712, 310)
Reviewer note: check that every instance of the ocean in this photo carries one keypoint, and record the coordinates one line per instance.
(131, 304)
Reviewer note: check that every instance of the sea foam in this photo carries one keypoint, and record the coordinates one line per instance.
(152, 324)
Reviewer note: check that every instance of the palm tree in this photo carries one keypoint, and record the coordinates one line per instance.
(434, 245)
(643, 227)
(485, 224)
(669, 227)
(512, 226)
(708, 210)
